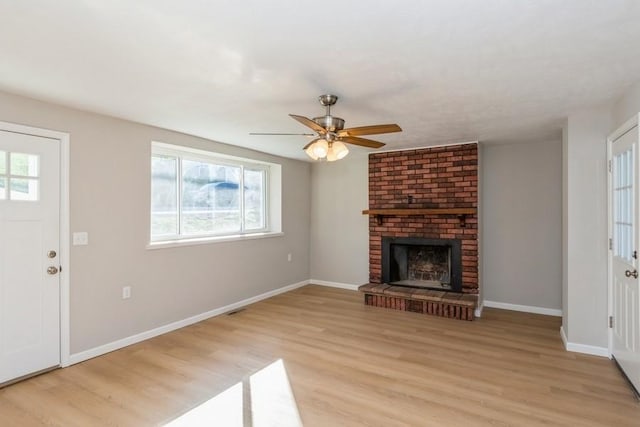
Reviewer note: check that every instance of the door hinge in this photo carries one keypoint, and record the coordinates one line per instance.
(609, 165)
(611, 321)
(610, 243)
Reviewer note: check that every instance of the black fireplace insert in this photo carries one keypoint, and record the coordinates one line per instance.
(422, 263)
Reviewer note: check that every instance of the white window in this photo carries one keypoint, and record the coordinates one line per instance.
(19, 176)
(198, 194)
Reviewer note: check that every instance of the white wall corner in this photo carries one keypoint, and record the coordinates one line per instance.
(478, 311)
(583, 348)
(524, 308)
(124, 342)
(334, 284)
(563, 336)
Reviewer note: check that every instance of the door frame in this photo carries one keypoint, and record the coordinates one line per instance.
(65, 336)
(624, 128)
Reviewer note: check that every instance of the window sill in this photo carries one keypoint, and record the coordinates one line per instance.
(209, 240)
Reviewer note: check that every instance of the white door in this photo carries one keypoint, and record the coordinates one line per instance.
(625, 297)
(29, 254)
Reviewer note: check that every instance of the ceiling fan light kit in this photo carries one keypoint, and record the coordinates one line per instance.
(320, 149)
(330, 143)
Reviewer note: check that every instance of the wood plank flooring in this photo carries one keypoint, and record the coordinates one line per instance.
(347, 364)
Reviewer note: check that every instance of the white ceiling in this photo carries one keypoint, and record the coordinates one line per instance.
(445, 71)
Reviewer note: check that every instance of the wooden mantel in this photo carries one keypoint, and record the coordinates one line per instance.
(461, 213)
(420, 211)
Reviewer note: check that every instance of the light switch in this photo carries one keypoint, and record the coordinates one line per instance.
(80, 238)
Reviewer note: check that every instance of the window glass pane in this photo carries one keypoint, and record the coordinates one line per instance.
(3, 163)
(3, 188)
(24, 164)
(210, 198)
(254, 202)
(23, 189)
(623, 206)
(164, 196)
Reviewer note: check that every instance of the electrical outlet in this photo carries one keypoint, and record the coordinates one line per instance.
(289, 258)
(126, 292)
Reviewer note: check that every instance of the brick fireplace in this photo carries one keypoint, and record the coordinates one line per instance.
(425, 195)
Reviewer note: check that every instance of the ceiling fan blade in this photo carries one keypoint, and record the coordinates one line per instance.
(309, 123)
(370, 130)
(272, 133)
(370, 143)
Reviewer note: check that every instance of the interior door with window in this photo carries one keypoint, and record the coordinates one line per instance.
(29, 254)
(625, 304)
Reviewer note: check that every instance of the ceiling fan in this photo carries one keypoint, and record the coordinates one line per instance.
(331, 135)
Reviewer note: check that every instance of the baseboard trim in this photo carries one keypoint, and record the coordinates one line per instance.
(134, 339)
(523, 308)
(334, 284)
(582, 348)
(478, 312)
(563, 337)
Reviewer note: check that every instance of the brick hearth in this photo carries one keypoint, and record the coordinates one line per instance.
(445, 304)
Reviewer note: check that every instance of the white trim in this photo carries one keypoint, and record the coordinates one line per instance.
(64, 139)
(65, 251)
(163, 244)
(124, 342)
(478, 311)
(524, 308)
(334, 284)
(610, 140)
(563, 336)
(583, 348)
(422, 148)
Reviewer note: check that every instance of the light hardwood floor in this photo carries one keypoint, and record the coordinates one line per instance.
(347, 364)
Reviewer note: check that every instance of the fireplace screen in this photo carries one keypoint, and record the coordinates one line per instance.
(426, 266)
(424, 263)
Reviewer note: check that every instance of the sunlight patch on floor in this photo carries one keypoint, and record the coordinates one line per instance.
(265, 399)
(272, 401)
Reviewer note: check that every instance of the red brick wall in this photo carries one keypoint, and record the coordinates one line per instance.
(440, 177)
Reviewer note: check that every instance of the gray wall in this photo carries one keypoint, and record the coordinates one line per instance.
(522, 224)
(585, 210)
(109, 190)
(339, 231)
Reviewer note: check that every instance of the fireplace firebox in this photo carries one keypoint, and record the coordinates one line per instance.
(422, 263)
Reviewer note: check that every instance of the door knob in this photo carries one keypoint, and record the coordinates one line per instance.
(52, 270)
(633, 273)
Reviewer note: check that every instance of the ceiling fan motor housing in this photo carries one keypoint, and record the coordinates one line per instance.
(330, 123)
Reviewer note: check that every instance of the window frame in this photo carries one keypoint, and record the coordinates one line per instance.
(181, 153)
